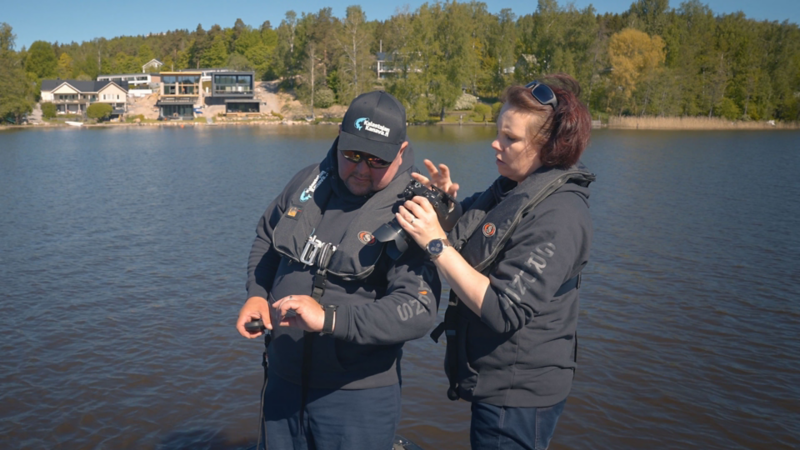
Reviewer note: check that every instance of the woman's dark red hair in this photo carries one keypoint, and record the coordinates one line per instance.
(565, 133)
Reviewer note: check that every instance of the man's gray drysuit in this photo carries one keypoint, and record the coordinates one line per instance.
(381, 302)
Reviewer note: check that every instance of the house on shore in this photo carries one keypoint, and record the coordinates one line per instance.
(392, 64)
(180, 91)
(153, 65)
(75, 96)
(385, 64)
(134, 80)
(235, 90)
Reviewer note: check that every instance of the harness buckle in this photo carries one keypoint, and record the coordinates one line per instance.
(309, 254)
(317, 253)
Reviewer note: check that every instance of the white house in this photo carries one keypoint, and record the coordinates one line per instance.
(153, 63)
(75, 96)
(134, 80)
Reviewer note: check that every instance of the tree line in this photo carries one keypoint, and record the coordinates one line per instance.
(650, 60)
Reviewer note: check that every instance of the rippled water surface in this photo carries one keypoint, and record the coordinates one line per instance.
(122, 270)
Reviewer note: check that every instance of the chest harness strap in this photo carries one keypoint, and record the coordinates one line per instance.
(316, 253)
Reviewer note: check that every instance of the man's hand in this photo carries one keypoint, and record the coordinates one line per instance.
(309, 314)
(254, 308)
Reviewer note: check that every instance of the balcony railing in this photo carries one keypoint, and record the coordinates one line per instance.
(72, 101)
(233, 90)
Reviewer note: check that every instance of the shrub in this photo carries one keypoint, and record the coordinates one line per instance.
(324, 97)
(482, 111)
(48, 110)
(99, 111)
(496, 110)
(465, 102)
(729, 109)
(278, 115)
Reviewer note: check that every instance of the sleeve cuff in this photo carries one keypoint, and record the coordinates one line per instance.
(490, 311)
(342, 325)
(257, 291)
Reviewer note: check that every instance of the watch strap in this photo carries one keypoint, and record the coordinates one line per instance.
(330, 318)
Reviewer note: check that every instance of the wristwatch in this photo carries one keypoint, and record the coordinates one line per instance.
(436, 246)
(330, 318)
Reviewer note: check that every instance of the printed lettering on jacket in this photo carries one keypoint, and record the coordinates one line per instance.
(537, 263)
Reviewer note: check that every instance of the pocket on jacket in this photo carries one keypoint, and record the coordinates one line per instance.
(325, 358)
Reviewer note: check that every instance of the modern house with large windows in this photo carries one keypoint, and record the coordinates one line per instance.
(235, 91)
(75, 96)
(180, 91)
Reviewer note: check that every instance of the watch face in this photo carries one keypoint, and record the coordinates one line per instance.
(435, 247)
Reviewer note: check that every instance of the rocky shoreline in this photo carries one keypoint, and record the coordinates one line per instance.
(614, 123)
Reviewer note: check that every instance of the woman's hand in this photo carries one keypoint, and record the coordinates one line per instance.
(438, 177)
(419, 219)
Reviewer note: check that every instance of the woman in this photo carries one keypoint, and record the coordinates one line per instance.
(513, 261)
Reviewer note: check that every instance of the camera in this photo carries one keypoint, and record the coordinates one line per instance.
(395, 235)
(441, 201)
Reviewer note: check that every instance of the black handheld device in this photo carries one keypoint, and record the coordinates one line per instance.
(254, 326)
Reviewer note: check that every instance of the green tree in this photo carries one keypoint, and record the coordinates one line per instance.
(729, 109)
(482, 111)
(557, 39)
(692, 38)
(286, 61)
(245, 40)
(217, 54)
(200, 44)
(48, 110)
(16, 90)
(355, 66)
(64, 66)
(650, 16)
(500, 59)
(41, 60)
(261, 59)
(324, 97)
(99, 111)
(238, 61)
(125, 64)
(145, 55)
(184, 58)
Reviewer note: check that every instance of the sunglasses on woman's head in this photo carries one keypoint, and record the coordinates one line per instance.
(542, 93)
(372, 161)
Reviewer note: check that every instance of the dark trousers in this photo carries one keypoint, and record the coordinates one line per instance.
(334, 419)
(495, 427)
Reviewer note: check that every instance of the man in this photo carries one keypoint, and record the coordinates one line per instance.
(338, 306)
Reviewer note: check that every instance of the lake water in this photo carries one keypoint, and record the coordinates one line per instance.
(122, 270)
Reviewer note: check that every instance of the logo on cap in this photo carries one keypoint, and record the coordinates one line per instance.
(364, 123)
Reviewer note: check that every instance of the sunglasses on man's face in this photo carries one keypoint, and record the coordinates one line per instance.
(372, 161)
(542, 93)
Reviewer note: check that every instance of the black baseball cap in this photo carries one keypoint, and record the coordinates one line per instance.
(375, 123)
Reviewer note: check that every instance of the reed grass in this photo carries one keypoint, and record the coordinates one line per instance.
(694, 123)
